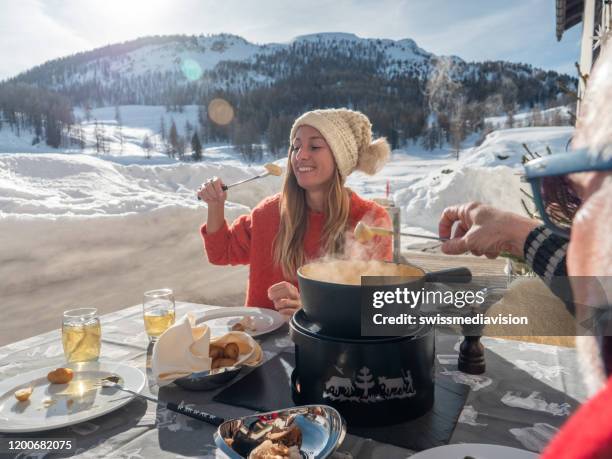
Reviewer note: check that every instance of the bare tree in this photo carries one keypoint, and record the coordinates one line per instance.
(147, 146)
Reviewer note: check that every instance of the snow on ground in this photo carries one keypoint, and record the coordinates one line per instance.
(143, 116)
(61, 185)
(422, 183)
(525, 119)
(422, 186)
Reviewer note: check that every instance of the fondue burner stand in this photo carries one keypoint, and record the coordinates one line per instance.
(371, 381)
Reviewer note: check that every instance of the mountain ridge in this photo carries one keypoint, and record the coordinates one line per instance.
(193, 59)
(406, 91)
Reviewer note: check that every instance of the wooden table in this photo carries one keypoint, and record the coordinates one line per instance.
(480, 266)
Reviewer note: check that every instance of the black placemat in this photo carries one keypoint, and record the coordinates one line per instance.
(268, 388)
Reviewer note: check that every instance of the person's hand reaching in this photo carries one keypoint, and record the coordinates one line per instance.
(285, 297)
(483, 230)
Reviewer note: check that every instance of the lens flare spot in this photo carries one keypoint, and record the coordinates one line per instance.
(191, 69)
(220, 111)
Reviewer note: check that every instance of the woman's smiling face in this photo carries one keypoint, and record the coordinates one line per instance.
(311, 159)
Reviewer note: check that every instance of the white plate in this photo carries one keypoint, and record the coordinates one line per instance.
(475, 450)
(71, 403)
(220, 320)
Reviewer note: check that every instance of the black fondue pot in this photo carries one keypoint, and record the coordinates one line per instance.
(336, 307)
(370, 381)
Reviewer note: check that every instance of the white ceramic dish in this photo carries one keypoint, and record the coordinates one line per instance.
(221, 320)
(476, 451)
(52, 406)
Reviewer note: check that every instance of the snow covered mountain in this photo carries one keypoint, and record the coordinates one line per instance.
(182, 69)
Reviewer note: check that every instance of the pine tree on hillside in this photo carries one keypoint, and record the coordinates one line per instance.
(276, 134)
(196, 147)
(119, 129)
(162, 128)
(97, 137)
(173, 140)
(53, 131)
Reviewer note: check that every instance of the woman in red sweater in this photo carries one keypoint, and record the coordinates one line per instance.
(313, 216)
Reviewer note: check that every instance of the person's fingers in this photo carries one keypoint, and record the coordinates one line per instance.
(201, 192)
(449, 216)
(287, 303)
(274, 289)
(293, 292)
(455, 246)
(491, 255)
(217, 183)
(280, 290)
(460, 231)
(209, 195)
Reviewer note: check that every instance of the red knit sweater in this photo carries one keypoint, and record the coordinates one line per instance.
(588, 433)
(250, 241)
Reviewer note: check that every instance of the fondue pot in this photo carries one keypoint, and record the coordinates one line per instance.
(336, 306)
(370, 381)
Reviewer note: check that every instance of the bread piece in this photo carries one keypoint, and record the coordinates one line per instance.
(269, 450)
(60, 376)
(214, 352)
(23, 394)
(231, 351)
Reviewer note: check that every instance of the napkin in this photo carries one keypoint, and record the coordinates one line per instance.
(184, 349)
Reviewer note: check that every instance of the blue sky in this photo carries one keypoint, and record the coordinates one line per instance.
(34, 31)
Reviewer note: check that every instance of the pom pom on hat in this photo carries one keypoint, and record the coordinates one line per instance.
(375, 157)
(349, 136)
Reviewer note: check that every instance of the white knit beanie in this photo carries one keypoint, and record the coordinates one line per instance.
(349, 135)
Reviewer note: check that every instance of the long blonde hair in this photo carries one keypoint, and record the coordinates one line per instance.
(289, 241)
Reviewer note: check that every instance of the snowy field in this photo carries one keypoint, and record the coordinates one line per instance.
(81, 229)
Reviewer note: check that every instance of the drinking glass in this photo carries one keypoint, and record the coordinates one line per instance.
(81, 335)
(158, 312)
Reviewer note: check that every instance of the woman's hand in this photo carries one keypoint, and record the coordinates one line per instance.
(214, 196)
(285, 297)
(212, 193)
(484, 230)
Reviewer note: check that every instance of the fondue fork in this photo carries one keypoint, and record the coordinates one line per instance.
(364, 233)
(271, 169)
(112, 382)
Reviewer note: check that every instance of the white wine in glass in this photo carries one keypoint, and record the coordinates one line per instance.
(81, 335)
(158, 312)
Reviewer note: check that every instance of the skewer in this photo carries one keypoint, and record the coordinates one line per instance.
(271, 169)
(364, 233)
